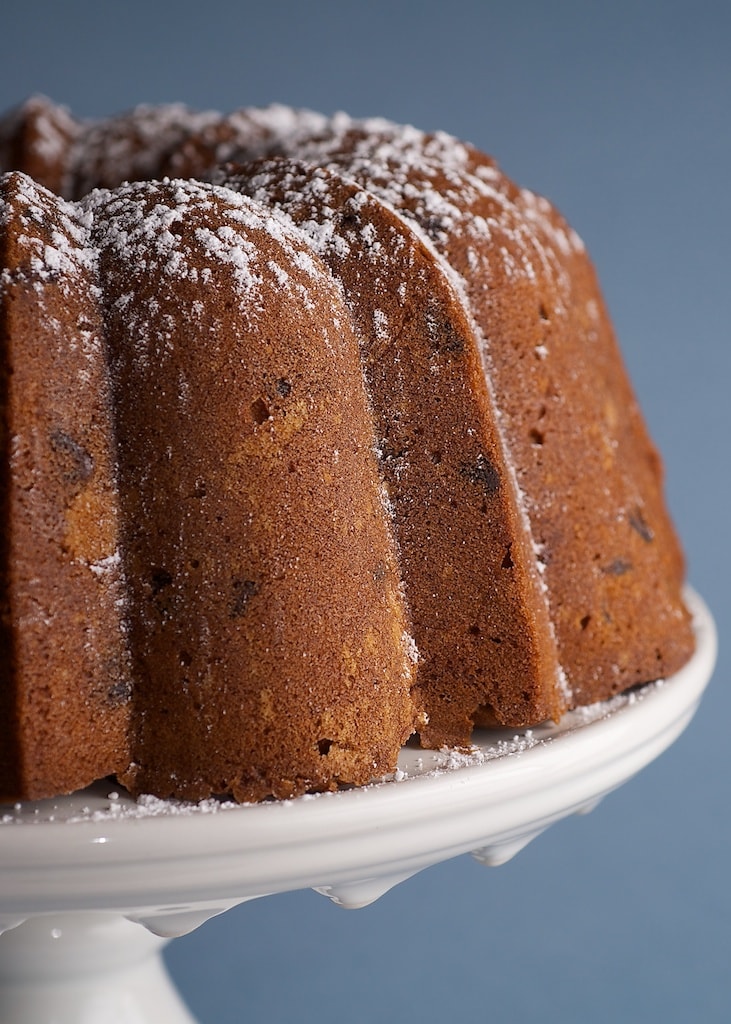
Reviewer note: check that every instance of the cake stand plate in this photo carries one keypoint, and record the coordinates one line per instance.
(94, 884)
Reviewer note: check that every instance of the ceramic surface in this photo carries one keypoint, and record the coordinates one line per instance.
(80, 873)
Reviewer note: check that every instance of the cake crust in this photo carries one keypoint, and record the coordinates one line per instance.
(314, 435)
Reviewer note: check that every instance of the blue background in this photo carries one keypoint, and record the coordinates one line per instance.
(619, 112)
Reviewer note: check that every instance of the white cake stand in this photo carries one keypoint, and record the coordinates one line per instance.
(93, 885)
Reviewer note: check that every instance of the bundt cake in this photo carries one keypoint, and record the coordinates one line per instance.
(315, 436)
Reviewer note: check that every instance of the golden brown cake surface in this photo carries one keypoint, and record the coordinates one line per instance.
(475, 597)
(589, 476)
(332, 447)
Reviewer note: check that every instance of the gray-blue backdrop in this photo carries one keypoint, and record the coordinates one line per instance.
(619, 112)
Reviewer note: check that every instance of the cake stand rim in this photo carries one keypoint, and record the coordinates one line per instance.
(335, 839)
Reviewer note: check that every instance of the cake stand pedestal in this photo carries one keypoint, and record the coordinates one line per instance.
(94, 884)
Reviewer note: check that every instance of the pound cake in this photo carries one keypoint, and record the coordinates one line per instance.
(315, 437)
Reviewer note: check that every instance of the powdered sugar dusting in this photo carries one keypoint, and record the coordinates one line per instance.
(103, 804)
(54, 233)
(183, 229)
